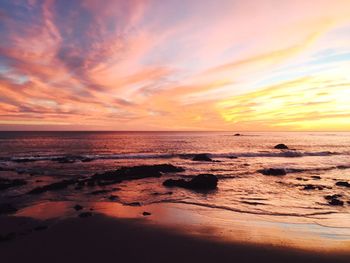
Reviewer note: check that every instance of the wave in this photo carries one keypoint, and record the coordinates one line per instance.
(232, 155)
(255, 211)
(317, 169)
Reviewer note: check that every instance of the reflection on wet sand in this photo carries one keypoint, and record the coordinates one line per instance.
(213, 224)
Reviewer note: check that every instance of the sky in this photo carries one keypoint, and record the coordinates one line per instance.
(235, 65)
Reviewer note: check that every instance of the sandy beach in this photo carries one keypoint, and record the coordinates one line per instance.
(123, 234)
(104, 239)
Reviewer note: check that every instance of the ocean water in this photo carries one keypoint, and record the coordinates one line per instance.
(319, 159)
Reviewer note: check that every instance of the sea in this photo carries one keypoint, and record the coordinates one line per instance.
(314, 163)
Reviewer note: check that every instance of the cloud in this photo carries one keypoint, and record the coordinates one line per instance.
(164, 65)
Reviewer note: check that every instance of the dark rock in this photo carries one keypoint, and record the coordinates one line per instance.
(336, 202)
(7, 183)
(146, 213)
(78, 207)
(113, 197)
(86, 159)
(40, 228)
(52, 187)
(23, 160)
(281, 146)
(301, 179)
(329, 197)
(134, 204)
(202, 157)
(313, 187)
(273, 171)
(137, 172)
(252, 203)
(233, 157)
(174, 182)
(345, 184)
(6, 208)
(237, 134)
(105, 183)
(98, 192)
(343, 167)
(200, 182)
(85, 214)
(166, 193)
(316, 177)
(65, 160)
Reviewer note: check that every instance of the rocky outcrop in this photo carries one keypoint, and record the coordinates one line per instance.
(200, 182)
(136, 172)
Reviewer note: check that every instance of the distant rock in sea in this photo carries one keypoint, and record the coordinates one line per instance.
(281, 146)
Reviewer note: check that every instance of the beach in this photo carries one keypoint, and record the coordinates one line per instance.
(103, 238)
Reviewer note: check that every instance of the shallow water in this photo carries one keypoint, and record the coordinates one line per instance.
(33, 156)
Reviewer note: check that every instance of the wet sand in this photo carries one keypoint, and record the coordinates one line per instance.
(104, 239)
(122, 236)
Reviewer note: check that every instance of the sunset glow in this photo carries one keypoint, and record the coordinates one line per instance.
(175, 65)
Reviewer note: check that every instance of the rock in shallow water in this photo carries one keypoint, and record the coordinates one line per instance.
(313, 187)
(341, 183)
(336, 202)
(78, 207)
(273, 171)
(202, 157)
(200, 182)
(333, 200)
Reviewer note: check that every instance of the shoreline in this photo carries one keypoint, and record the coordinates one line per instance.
(230, 236)
(100, 238)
